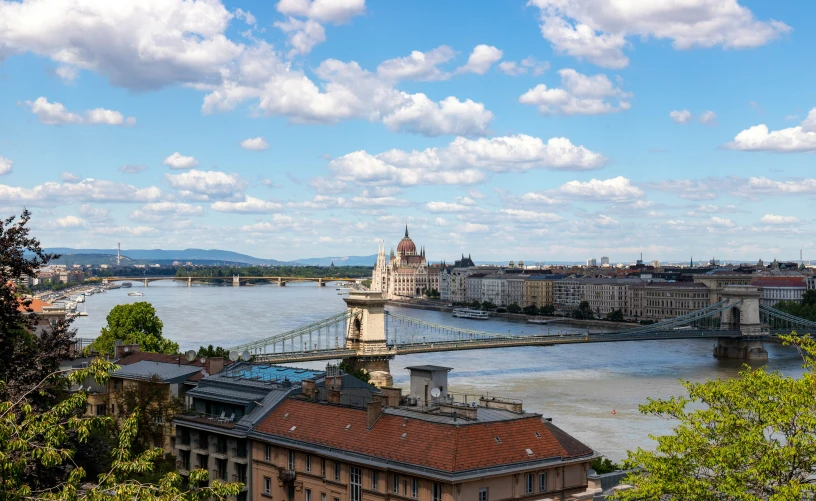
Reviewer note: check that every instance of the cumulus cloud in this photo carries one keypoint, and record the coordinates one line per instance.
(179, 161)
(132, 168)
(250, 205)
(87, 190)
(56, 114)
(708, 118)
(418, 65)
(778, 220)
(304, 34)
(203, 185)
(447, 207)
(695, 189)
(481, 59)
(680, 117)
(756, 186)
(473, 228)
(172, 208)
(463, 161)
(66, 223)
(527, 65)
(618, 189)
(254, 144)
(69, 177)
(801, 138)
(346, 91)
(578, 95)
(528, 216)
(6, 166)
(143, 45)
(597, 30)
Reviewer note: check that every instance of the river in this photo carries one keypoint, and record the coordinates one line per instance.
(577, 385)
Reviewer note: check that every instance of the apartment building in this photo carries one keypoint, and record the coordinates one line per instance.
(458, 284)
(662, 300)
(473, 287)
(606, 295)
(567, 294)
(494, 289)
(515, 288)
(780, 288)
(539, 290)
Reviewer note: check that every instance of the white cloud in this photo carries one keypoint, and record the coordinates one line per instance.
(708, 118)
(179, 161)
(346, 91)
(278, 223)
(528, 64)
(473, 228)
(447, 207)
(680, 117)
(66, 223)
(56, 114)
(303, 35)
(204, 185)
(539, 198)
(618, 189)
(318, 202)
(254, 144)
(801, 138)
(578, 95)
(325, 11)
(478, 195)
(132, 169)
(250, 205)
(418, 65)
(6, 166)
(94, 213)
(87, 190)
(695, 189)
(527, 216)
(178, 209)
(69, 178)
(137, 45)
(463, 160)
(763, 186)
(778, 220)
(481, 59)
(597, 30)
(376, 201)
(246, 16)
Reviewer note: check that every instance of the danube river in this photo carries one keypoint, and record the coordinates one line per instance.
(578, 386)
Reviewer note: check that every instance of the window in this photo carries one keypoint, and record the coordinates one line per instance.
(375, 481)
(308, 495)
(323, 469)
(436, 492)
(395, 486)
(483, 494)
(322, 496)
(337, 471)
(356, 481)
(404, 487)
(528, 482)
(291, 461)
(414, 488)
(267, 485)
(542, 482)
(308, 463)
(267, 452)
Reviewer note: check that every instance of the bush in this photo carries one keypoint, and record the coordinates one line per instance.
(514, 308)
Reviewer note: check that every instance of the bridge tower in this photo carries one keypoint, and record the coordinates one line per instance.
(236, 280)
(365, 333)
(743, 316)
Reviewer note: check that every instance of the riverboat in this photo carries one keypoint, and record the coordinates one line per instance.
(127, 284)
(135, 293)
(468, 313)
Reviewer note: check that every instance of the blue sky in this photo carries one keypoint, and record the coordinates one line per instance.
(546, 130)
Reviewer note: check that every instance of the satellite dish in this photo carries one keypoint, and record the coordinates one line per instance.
(190, 355)
(435, 393)
(474, 404)
(245, 355)
(233, 355)
(203, 360)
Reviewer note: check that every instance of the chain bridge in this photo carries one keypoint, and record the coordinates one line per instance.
(367, 336)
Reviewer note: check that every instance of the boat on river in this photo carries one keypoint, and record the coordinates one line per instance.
(135, 293)
(468, 313)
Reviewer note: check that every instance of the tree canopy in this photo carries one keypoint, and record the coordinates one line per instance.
(135, 323)
(583, 311)
(751, 438)
(806, 309)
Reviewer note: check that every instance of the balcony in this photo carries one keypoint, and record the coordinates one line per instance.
(220, 448)
(287, 475)
(204, 418)
(183, 467)
(220, 475)
(185, 440)
(239, 452)
(240, 477)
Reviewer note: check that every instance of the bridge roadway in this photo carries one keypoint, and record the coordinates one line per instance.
(498, 342)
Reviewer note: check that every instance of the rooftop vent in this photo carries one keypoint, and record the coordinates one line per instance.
(286, 415)
(292, 428)
(538, 435)
(529, 452)
(404, 435)
(498, 440)
(348, 426)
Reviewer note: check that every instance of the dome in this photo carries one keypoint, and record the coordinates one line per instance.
(406, 245)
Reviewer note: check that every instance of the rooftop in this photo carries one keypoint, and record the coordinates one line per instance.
(269, 373)
(798, 282)
(146, 370)
(429, 368)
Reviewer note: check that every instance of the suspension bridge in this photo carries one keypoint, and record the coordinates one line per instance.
(367, 336)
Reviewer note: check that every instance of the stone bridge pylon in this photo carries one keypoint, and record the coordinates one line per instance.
(365, 333)
(743, 316)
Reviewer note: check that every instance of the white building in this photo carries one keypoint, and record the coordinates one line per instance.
(780, 288)
(404, 274)
(592, 262)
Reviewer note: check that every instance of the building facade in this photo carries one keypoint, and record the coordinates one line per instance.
(780, 288)
(403, 274)
(662, 300)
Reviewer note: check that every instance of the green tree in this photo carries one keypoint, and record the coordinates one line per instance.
(475, 304)
(30, 440)
(547, 309)
(603, 465)
(514, 308)
(487, 306)
(156, 409)
(530, 310)
(583, 312)
(135, 323)
(210, 352)
(615, 316)
(749, 438)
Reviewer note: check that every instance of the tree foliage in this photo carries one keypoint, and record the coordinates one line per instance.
(135, 323)
(210, 352)
(603, 465)
(583, 311)
(156, 409)
(514, 308)
(31, 439)
(806, 309)
(615, 316)
(751, 438)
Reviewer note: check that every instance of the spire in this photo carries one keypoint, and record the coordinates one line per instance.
(406, 230)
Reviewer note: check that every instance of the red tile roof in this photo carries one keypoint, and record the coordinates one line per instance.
(444, 446)
(779, 282)
(36, 306)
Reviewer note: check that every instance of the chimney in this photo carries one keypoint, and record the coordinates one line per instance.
(334, 396)
(120, 350)
(307, 389)
(214, 365)
(392, 395)
(334, 382)
(374, 411)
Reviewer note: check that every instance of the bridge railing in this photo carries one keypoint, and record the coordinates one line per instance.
(314, 336)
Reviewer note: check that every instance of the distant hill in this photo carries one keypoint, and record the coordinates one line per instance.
(201, 256)
(339, 261)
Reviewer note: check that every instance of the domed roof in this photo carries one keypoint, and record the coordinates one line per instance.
(406, 245)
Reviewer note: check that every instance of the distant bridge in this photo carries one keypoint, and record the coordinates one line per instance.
(367, 336)
(235, 280)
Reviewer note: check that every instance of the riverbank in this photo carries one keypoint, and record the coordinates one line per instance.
(517, 317)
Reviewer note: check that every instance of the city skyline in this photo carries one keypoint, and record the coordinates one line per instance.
(555, 130)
